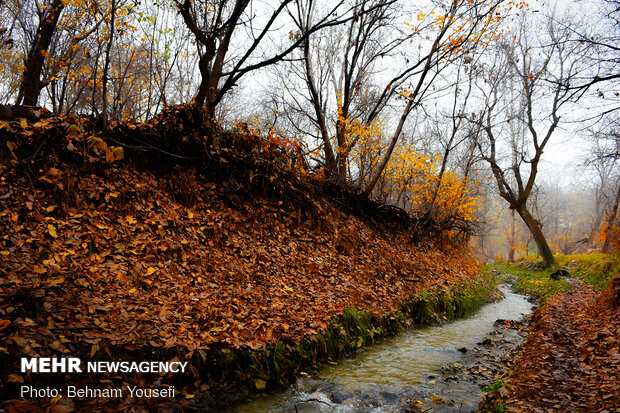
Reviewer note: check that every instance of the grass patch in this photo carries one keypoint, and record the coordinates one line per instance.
(595, 269)
(494, 387)
(531, 282)
(540, 286)
(496, 396)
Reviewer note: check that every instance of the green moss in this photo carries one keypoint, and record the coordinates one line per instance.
(594, 269)
(441, 303)
(541, 287)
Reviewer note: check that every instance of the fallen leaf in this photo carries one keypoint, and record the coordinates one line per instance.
(14, 378)
(52, 230)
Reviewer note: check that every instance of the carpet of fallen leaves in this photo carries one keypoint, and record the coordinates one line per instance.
(96, 253)
(571, 359)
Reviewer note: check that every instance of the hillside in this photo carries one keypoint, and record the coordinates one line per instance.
(174, 236)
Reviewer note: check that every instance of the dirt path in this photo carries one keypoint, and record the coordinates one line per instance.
(571, 359)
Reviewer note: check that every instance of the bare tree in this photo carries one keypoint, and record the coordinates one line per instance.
(455, 136)
(604, 162)
(336, 67)
(51, 40)
(214, 24)
(535, 76)
(602, 44)
(461, 27)
(337, 88)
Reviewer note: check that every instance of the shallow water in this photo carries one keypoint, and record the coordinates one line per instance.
(384, 376)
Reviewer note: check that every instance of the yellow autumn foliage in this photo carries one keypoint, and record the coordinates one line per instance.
(412, 180)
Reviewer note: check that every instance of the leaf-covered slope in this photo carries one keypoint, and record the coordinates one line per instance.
(571, 359)
(97, 248)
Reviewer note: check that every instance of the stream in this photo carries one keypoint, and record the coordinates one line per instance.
(432, 369)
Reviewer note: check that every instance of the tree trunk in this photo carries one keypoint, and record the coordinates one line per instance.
(513, 242)
(377, 174)
(31, 84)
(331, 166)
(611, 221)
(537, 234)
(205, 73)
(106, 66)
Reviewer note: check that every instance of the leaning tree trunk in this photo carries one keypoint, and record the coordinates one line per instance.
(31, 84)
(537, 234)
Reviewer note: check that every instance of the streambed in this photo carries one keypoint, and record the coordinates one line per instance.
(434, 368)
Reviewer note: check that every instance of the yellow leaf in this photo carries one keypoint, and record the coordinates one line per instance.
(190, 215)
(114, 194)
(133, 290)
(52, 230)
(14, 378)
(189, 396)
(57, 281)
(5, 253)
(24, 123)
(130, 220)
(150, 270)
(287, 288)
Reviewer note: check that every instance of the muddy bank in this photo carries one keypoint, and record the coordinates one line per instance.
(571, 359)
(482, 371)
